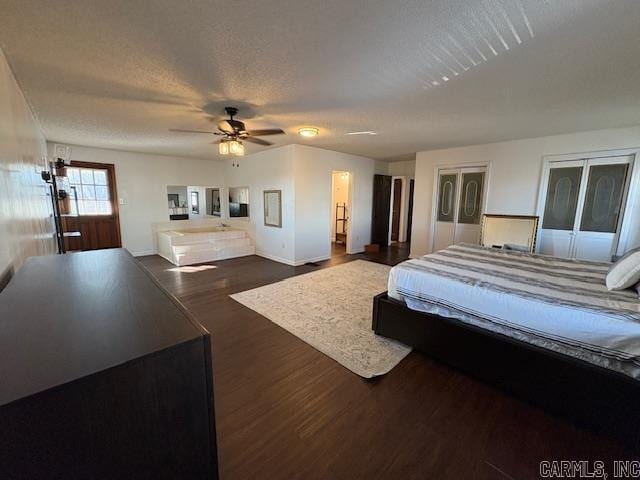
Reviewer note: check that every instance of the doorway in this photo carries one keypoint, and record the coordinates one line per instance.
(459, 206)
(412, 183)
(93, 207)
(583, 206)
(340, 212)
(396, 209)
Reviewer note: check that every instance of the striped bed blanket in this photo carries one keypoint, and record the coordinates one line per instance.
(556, 303)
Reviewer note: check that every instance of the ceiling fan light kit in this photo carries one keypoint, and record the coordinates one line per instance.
(234, 133)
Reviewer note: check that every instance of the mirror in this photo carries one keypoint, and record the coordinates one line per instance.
(177, 202)
(509, 232)
(239, 202)
(273, 208)
(213, 202)
(192, 202)
(195, 202)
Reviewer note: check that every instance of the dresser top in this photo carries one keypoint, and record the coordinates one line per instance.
(64, 317)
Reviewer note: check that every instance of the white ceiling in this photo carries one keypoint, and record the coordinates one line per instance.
(120, 73)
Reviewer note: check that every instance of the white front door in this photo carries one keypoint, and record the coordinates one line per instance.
(583, 207)
(459, 206)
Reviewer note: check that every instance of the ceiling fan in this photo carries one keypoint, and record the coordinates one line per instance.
(234, 132)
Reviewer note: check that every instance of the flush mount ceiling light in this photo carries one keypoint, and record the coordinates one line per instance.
(308, 131)
(364, 132)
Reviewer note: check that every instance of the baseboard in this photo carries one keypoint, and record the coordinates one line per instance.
(143, 253)
(275, 258)
(311, 260)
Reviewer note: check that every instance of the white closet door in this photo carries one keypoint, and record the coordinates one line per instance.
(583, 207)
(602, 206)
(445, 220)
(467, 227)
(459, 206)
(563, 186)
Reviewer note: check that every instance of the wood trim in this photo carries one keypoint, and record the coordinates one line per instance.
(113, 189)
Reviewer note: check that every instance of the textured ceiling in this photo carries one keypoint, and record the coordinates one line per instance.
(423, 74)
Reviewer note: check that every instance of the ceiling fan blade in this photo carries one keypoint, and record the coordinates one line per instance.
(225, 126)
(259, 141)
(188, 131)
(266, 131)
(231, 126)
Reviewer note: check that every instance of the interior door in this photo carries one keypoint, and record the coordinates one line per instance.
(94, 207)
(563, 187)
(471, 191)
(583, 209)
(410, 209)
(395, 212)
(598, 225)
(445, 221)
(459, 206)
(381, 209)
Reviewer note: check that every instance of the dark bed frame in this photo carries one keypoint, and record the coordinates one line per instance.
(591, 396)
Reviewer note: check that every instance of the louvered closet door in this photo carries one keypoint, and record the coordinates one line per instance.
(583, 207)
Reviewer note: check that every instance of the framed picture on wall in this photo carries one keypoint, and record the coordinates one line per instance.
(273, 208)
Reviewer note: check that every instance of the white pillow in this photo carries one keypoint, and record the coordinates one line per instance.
(625, 272)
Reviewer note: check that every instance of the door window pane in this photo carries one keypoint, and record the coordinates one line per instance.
(102, 193)
(86, 176)
(92, 189)
(604, 198)
(446, 197)
(471, 198)
(562, 198)
(100, 177)
(88, 192)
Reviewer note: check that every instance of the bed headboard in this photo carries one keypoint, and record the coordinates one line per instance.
(517, 232)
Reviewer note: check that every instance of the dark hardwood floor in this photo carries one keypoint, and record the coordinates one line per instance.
(286, 411)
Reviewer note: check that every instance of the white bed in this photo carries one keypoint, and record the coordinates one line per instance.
(559, 304)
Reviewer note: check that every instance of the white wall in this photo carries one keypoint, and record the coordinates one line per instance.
(304, 174)
(401, 169)
(514, 173)
(267, 170)
(313, 170)
(25, 224)
(142, 181)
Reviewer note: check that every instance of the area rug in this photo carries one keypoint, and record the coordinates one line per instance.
(331, 309)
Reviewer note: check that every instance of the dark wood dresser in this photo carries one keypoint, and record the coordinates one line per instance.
(103, 374)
